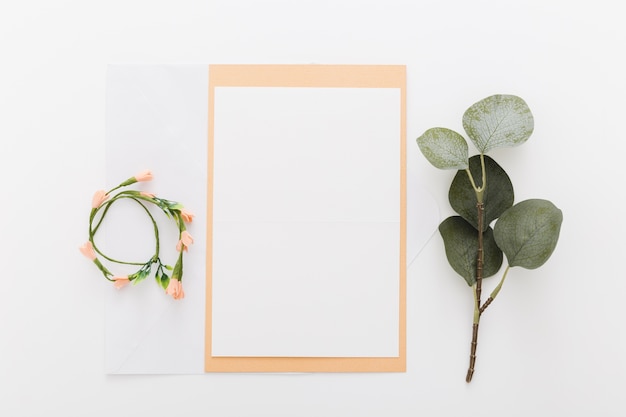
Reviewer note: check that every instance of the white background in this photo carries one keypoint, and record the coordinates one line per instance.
(554, 341)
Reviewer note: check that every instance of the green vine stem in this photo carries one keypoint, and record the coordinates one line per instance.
(106, 206)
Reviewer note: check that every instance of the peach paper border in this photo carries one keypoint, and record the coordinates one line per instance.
(339, 76)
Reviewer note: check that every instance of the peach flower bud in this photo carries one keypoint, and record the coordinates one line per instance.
(121, 281)
(185, 241)
(87, 250)
(186, 215)
(186, 238)
(144, 176)
(175, 289)
(147, 195)
(98, 198)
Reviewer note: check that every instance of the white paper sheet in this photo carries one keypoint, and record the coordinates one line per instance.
(306, 222)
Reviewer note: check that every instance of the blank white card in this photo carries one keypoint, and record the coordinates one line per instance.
(306, 222)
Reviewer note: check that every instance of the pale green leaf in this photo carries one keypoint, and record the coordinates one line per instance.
(444, 148)
(528, 232)
(498, 121)
(140, 275)
(461, 243)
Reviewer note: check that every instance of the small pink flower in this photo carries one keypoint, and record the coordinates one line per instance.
(121, 281)
(144, 176)
(98, 198)
(186, 238)
(186, 215)
(185, 241)
(175, 289)
(87, 250)
(147, 195)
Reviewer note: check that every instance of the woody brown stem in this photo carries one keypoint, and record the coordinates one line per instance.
(470, 371)
(481, 258)
(479, 281)
(494, 293)
(484, 306)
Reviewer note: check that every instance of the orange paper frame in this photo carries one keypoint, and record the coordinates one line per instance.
(321, 76)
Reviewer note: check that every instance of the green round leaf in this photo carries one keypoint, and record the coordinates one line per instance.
(444, 148)
(498, 121)
(497, 198)
(461, 243)
(528, 232)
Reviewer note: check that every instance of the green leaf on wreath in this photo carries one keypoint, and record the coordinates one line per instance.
(498, 121)
(497, 198)
(164, 280)
(140, 275)
(461, 243)
(528, 232)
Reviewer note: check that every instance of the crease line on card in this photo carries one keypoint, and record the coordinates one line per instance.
(414, 257)
(139, 342)
(426, 219)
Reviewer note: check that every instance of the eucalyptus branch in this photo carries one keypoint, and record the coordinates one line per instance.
(526, 233)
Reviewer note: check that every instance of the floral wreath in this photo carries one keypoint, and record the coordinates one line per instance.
(100, 204)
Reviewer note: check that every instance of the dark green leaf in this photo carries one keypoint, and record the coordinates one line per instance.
(528, 232)
(498, 121)
(461, 243)
(497, 198)
(177, 273)
(444, 148)
(164, 281)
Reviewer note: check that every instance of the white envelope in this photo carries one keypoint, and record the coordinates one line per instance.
(157, 118)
